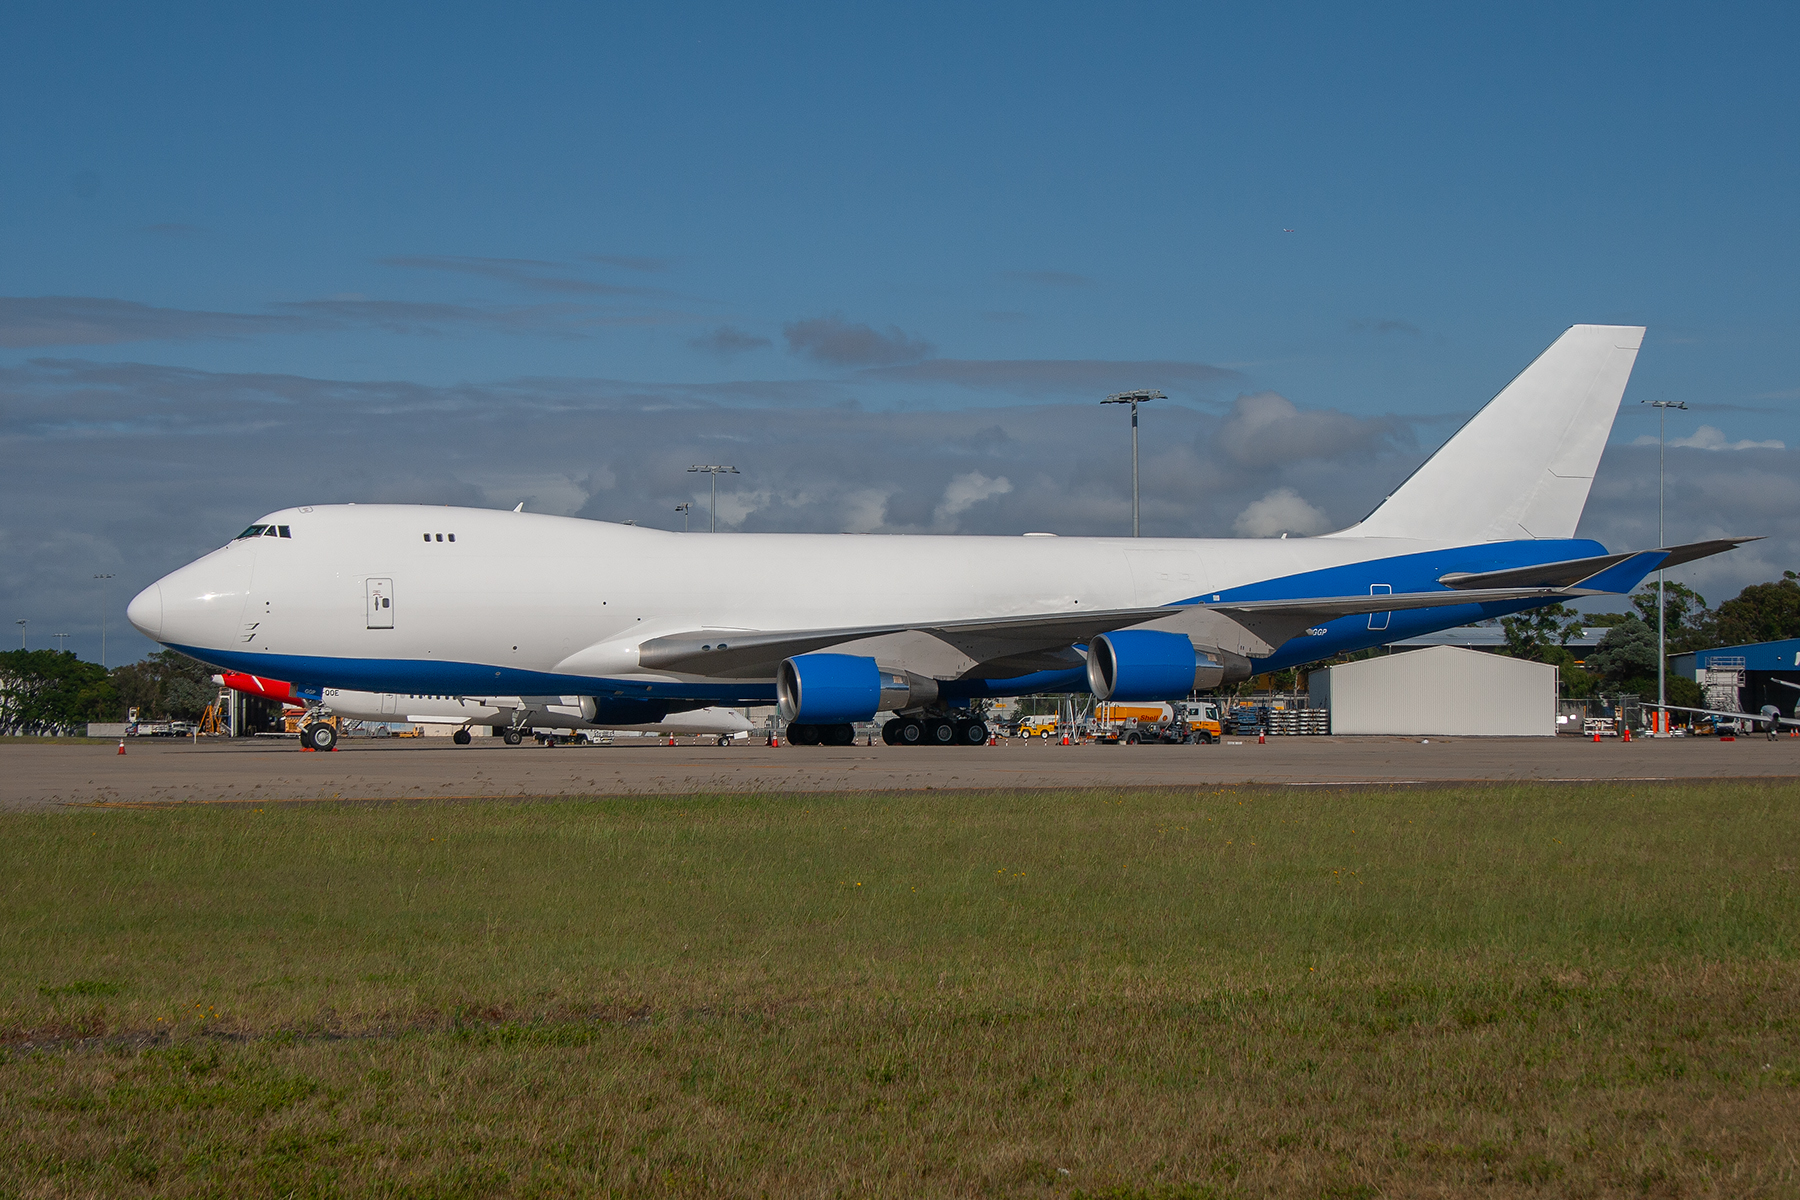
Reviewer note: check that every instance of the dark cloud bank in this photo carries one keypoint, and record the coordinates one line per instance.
(43, 321)
(134, 469)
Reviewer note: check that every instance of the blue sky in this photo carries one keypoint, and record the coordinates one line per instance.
(471, 254)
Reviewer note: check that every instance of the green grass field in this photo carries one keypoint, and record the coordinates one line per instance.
(1241, 992)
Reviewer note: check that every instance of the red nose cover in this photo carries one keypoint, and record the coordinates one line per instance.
(256, 685)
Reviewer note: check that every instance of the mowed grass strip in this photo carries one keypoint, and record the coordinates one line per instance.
(1220, 992)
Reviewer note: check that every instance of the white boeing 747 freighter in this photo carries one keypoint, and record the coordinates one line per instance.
(636, 623)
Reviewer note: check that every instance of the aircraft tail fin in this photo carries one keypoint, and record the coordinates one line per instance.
(1522, 466)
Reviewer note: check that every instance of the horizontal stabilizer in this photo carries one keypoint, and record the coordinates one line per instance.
(1571, 572)
(1694, 550)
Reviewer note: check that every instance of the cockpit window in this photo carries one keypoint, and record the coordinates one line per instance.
(253, 531)
(265, 531)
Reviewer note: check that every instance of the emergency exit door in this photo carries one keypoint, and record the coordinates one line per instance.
(381, 604)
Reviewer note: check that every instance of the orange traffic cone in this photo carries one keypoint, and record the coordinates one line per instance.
(121, 745)
(1596, 735)
(1626, 735)
(1261, 737)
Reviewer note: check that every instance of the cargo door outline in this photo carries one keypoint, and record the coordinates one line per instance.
(1379, 620)
(380, 605)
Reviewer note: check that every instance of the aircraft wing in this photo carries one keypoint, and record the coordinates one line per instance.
(1574, 572)
(1021, 640)
(1741, 716)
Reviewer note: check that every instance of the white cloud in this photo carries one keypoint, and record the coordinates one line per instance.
(1708, 438)
(965, 492)
(1266, 428)
(865, 511)
(1281, 511)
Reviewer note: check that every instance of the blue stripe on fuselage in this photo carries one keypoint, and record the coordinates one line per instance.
(1405, 573)
(431, 677)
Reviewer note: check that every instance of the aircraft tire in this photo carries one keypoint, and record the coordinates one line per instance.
(320, 736)
(462, 737)
(511, 737)
(908, 731)
(838, 735)
(803, 735)
(971, 733)
(940, 732)
(889, 731)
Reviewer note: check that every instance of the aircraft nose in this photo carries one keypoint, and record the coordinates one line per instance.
(200, 605)
(145, 612)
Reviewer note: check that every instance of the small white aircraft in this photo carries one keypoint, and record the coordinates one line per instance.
(640, 623)
(510, 716)
(1769, 720)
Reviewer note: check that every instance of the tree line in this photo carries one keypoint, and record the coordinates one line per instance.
(45, 692)
(1625, 659)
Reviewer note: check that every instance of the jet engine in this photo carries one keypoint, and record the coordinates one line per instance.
(1149, 664)
(830, 689)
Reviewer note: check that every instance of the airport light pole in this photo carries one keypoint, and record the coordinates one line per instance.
(64, 644)
(1662, 408)
(105, 602)
(715, 472)
(21, 624)
(1134, 399)
(682, 508)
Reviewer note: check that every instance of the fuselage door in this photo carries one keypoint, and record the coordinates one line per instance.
(1380, 620)
(381, 603)
(387, 702)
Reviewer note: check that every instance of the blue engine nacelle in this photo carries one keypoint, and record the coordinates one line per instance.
(1149, 664)
(830, 689)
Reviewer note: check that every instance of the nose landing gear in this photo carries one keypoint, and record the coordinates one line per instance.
(318, 735)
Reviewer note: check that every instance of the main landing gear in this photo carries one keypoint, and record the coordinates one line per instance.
(462, 737)
(934, 731)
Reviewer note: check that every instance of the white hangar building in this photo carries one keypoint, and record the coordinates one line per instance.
(1443, 690)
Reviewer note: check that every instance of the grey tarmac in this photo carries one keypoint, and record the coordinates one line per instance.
(40, 777)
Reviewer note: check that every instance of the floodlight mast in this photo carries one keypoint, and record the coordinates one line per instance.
(683, 508)
(105, 600)
(715, 471)
(1134, 399)
(1662, 408)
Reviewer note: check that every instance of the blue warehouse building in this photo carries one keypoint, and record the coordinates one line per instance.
(1762, 664)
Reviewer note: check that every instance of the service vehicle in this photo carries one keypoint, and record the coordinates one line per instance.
(1043, 725)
